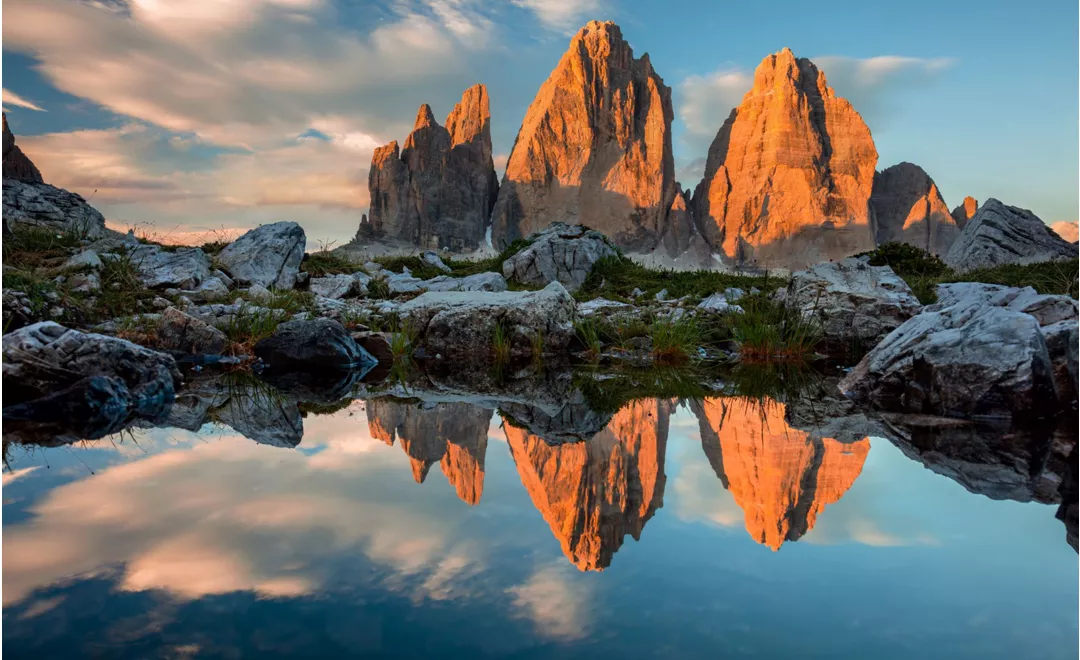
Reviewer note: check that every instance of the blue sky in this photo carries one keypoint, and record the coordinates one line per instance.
(197, 115)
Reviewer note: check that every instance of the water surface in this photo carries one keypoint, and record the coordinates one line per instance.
(411, 527)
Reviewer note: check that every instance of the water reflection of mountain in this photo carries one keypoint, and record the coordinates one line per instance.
(453, 434)
(781, 477)
(594, 492)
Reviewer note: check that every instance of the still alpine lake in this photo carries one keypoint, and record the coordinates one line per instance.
(441, 524)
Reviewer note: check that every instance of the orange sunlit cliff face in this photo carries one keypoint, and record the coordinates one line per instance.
(451, 434)
(594, 493)
(781, 478)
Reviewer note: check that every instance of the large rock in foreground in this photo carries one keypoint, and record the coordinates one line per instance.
(463, 323)
(856, 303)
(963, 357)
(269, 255)
(313, 345)
(45, 357)
(48, 207)
(559, 254)
(789, 175)
(594, 148)
(908, 208)
(1000, 234)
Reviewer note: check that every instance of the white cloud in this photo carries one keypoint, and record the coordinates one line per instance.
(707, 100)
(556, 600)
(11, 98)
(563, 15)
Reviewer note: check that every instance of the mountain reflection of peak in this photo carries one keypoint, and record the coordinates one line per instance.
(781, 477)
(594, 492)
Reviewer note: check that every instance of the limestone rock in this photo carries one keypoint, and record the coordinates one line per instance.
(85, 259)
(17, 166)
(42, 205)
(44, 357)
(183, 333)
(561, 254)
(908, 208)
(400, 283)
(438, 191)
(854, 301)
(789, 176)
(462, 323)
(184, 268)
(1000, 234)
(268, 255)
(965, 211)
(594, 148)
(961, 357)
(339, 286)
(312, 345)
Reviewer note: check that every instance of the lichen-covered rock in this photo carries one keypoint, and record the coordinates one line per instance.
(959, 358)
(789, 175)
(17, 166)
(594, 148)
(462, 323)
(339, 286)
(268, 255)
(45, 357)
(183, 268)
(1000, 234)
(439, 189)
(854, 301)
(559, 253)
(312, 345)
(183, 333)
(908, 208)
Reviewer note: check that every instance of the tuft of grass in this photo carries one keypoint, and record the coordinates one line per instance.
(1050, 277)
(324, 262)
(537, 344)
(378, 288)
(37, 247)
(612, 391)
(767, 330)
(463, 268)
(675, 340)
(417, 266)
(501, 342)
(589, 333)
(403, 341)
(616, 278)
(248, 326)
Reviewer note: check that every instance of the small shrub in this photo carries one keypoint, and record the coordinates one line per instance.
(908, 260)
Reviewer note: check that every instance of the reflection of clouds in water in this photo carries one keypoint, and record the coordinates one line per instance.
(229, 515)
(699, 496)
(12, 476)
(556, 599)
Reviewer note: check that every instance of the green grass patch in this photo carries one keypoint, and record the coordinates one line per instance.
(767, 330)
(617, 388)
(323, 263)
(616, 278)
(248, 326)
(590, 334)
(417, 266)
(501, 343)
(36, 247)
(675, 340)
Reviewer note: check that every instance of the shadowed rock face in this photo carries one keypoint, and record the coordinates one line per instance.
(789, 175)
(438, 191)
(999, 234)
(593, 493)
(451, 434)
(908, 208)
(781, 477)
(594, 148)
(17, 165)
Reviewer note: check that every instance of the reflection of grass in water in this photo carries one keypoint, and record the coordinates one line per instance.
(324, 408)
(771, 380)
(609, 391)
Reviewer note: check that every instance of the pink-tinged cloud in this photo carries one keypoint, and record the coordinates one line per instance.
(1067, 229)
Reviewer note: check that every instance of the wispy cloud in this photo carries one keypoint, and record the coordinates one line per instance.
(11, 98)
(563, 15)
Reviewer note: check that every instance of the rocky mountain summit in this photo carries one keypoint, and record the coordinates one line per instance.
(999, 234)
(594, 148)
(789, 175)
(965, 211)
(438, 191)
(908, 208)
(17, 166)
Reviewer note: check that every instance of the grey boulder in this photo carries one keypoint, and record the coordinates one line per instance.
(268, 255)
(183, 333)
(1000, 234)
(184, 268)
(45, 206)
(559, 253)
(853, 301)
(312, 344)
